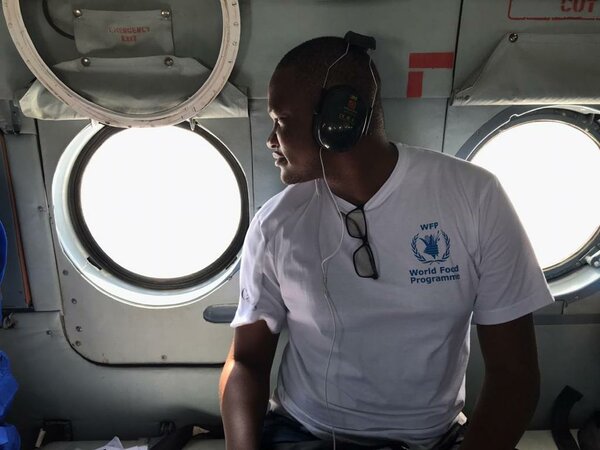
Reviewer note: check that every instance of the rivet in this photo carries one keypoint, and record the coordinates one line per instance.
(163, 357)
(65, 272)
(169, 61)
(86, 62)
(77, 13)
(49, 332)
(74, 301)
(165, 14)
(513, 37)
(78, 328)
(78, 343)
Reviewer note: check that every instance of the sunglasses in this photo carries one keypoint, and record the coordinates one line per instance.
(364, 262)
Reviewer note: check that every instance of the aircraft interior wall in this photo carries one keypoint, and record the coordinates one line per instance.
(114, 369)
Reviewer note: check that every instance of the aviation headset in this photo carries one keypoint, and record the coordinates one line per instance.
(343, 116)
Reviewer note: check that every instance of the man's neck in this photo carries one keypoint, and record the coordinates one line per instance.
(356, 176)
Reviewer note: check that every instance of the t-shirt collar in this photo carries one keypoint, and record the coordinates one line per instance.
(385, 190)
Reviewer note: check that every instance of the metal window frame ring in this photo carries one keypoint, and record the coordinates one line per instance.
(99, 269)
(577, 276)
(189, 108)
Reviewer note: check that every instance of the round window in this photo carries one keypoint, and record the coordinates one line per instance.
(151, 210)
(547, 162)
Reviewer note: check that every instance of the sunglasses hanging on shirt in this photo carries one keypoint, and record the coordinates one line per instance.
(363, 259)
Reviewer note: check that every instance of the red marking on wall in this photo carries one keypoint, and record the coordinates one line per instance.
(128, 30)
(555, 10)
(431, 60)
(414, 88)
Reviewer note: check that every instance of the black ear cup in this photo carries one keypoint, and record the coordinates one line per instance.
(341, 118)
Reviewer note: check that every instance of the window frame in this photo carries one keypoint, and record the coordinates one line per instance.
(187, 109)
(587, 120)
(98, 268)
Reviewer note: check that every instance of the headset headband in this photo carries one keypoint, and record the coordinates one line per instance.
(364, 43)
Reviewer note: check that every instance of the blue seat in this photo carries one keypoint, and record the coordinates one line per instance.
(9, 437)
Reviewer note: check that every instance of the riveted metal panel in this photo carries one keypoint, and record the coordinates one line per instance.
(106, 331)
(13, 288)
(34, 220)
(101, 402)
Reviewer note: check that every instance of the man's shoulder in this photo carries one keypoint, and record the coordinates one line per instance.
(429, 160)
(282, 206)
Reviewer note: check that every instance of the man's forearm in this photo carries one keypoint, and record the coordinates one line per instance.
(504, 410)
(244, 398)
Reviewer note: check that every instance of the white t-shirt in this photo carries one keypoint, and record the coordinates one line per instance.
(448, 247)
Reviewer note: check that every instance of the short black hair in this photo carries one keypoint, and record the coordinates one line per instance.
(311, 59)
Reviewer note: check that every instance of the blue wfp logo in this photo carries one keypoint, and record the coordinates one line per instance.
(429, 246)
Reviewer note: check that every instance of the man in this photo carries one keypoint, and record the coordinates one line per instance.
(375, 258)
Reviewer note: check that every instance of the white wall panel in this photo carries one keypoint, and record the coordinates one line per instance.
(272, 27)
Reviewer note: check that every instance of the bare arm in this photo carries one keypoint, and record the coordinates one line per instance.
(511, 386)
(244, 385)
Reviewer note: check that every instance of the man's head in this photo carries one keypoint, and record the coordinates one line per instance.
(294, 93)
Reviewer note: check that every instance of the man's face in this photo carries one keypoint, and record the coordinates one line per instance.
(291, 106)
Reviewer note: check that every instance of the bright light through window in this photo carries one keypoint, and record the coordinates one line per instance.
(550, 171)
(160, 202)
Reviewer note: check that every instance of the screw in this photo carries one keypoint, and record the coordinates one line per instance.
(41, 209)
(77, 13)
(163, 357)
(597, 263)
(513, 37)
(169, 61)
(65, 272)
(78, 343)
(74, 301)
(78, 328)
(49, 332)
(165, 14)
(86, 62)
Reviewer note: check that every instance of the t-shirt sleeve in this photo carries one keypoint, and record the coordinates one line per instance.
(260, 296)
(511, 282)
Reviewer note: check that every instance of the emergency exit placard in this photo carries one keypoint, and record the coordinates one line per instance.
(554, 9)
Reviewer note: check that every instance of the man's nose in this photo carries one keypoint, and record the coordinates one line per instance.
(272, 141)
